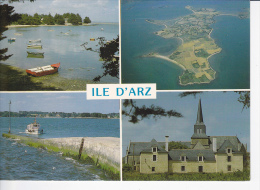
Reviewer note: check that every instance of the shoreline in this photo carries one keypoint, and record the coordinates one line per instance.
(91, 24)
(167, 59)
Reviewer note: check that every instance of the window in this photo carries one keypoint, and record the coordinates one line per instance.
(229, 168)
(183, 158)
(229, 158)
(134, 167)
(155, 149)
(153, 169)
(182, 168)
(200, 158)
(134, 162)
(154, 157)
(229, 150)
(200, 168)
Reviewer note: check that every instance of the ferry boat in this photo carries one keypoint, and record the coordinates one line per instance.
(45, 70)
(34, 128)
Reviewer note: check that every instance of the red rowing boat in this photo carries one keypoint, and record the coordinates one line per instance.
(45, 70)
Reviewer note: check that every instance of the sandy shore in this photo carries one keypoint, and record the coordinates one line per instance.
(167, 59)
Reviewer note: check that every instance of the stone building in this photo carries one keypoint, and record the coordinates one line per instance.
(207, 154)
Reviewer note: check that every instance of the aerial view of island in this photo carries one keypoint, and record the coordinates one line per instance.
(197, 45)
(200, 39)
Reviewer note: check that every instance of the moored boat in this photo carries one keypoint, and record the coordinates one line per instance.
(35, 54)
(34, 128)
(11, 39)
(45, 70)
(35, 41)
(34, 46)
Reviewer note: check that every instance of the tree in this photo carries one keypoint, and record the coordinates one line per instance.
(79, 19)
(108, 52)
(48, 19)
(87, 20)
(137, 113)
(73, 19)
(58, 19)
(176, 145)
(6, 17)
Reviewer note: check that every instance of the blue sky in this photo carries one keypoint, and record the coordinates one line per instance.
(56, 102)
(222, 113)
(96, 10)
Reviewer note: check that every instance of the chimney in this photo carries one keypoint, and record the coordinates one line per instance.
(214, 144)
(166, 143)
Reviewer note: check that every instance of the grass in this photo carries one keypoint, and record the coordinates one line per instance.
(16, 79)
(112, 172)
(234, 176)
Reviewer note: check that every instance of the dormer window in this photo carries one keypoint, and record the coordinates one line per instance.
(229, 150)
(183, 158)
(154, 149)
(200, 158)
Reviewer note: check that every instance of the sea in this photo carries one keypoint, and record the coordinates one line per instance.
(62, 44)
(21, 162)
(230, 33)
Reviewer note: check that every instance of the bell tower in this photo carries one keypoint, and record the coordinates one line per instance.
(199, 134)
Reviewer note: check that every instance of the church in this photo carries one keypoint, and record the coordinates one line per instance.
(207, 154)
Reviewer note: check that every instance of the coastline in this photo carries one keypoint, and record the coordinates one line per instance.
(91, 24)
(167, 59)
(208, 77)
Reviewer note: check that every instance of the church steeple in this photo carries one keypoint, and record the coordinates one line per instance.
(199, 114)
(199, 134)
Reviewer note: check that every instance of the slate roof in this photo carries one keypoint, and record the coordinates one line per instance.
(137, 147)
(191, 154)
(221, 139)
(223, 142)
(225, 145)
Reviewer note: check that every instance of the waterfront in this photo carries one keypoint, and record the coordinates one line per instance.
(21, 162)
(61, 44)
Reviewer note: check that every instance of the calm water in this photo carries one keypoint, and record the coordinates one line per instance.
(76, 62)
(138, 38)
(20, 162)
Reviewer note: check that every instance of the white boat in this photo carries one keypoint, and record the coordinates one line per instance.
(34, 46)
(35, 41)
(34, 128)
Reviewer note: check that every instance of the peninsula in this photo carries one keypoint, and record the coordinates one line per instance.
(197, 46)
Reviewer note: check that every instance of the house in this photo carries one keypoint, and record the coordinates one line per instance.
(205, 153)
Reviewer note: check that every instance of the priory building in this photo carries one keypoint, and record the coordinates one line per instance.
(206, 154)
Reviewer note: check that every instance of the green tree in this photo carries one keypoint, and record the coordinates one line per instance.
(176, 145)
(58, 19)
(108, 52)
(7, 16)
(87, 20)
(73, 19)
(48, 19)
(79, 19)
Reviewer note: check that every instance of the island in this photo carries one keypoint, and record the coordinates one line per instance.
(197, 46)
